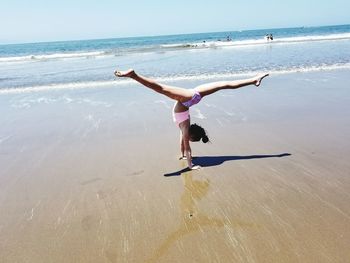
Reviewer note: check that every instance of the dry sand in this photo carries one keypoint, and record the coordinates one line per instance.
(93, 175)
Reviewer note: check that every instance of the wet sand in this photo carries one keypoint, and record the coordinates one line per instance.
(92, 175)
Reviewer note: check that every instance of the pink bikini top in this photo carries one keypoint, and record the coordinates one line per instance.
(179, 117)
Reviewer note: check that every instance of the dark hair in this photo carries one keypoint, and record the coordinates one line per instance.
(197, 133)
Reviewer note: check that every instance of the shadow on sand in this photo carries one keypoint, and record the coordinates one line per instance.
(206, 161)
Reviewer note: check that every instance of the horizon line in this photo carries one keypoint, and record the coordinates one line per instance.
(161, 35)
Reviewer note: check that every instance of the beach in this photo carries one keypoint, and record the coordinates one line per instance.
(92, 174)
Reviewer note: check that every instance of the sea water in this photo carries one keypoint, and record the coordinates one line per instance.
(90, 63)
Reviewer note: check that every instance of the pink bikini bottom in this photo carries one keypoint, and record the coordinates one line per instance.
(194, 100)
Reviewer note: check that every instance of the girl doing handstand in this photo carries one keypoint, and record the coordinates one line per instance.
(184, 99)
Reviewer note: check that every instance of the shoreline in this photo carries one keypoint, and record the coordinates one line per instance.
(54, 87)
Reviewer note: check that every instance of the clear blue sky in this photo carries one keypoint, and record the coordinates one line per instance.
(49, 20)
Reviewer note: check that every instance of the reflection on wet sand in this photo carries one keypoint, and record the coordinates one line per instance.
(193, 219)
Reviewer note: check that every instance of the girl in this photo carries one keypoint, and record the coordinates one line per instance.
(185, 98)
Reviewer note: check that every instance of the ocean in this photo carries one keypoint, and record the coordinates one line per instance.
(33, 67)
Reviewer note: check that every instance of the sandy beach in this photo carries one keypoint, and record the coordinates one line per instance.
(92, 175)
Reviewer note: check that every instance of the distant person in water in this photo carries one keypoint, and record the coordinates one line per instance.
(185, 98)
(269, 37)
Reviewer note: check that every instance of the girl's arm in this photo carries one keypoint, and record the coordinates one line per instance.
(182, 147)
(188, 152)
(187, 149)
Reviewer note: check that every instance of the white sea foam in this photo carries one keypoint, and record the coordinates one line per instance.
(198, 114)
(175, 46)
(30, 58)
(314, 38)
(262, 41)
(28, 102)
(164, 103)
(204, 77)
(5, 138)
(60, 86)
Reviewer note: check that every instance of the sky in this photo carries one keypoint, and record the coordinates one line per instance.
(54, 20)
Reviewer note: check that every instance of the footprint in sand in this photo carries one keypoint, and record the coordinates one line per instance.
(93, 180)
(136, 173)
(111, 256)
(87, 222)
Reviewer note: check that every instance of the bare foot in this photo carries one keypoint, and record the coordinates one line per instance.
(258, 78)
(125, 73)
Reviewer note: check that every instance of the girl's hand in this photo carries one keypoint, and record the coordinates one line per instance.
(195, 167)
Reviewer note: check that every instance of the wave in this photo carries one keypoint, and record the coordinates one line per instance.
(206, 77)
(60, 86)
(29, 58)
(252, 42)
(175, 46)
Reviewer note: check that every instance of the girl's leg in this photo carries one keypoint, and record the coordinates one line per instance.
(210, 88)
(176, 93)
